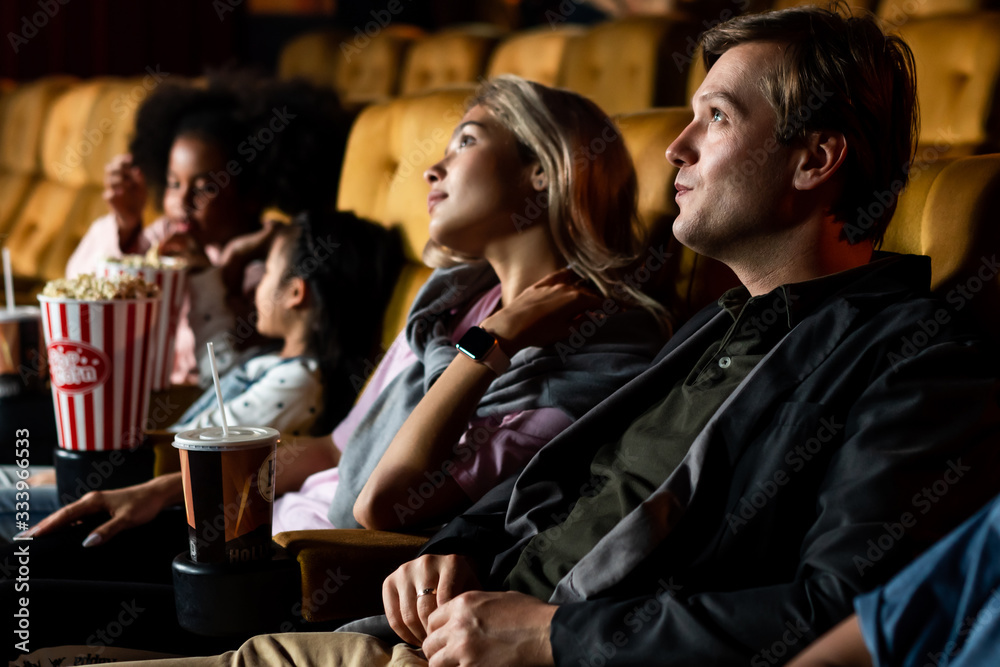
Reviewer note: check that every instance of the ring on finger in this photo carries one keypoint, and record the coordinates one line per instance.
(427, 591)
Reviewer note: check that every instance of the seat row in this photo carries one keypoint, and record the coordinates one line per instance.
(56, 134)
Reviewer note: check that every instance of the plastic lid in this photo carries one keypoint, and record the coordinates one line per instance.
(20, 313)
(211, 439)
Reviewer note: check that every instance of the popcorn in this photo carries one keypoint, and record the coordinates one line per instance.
(151, 259)
(88, 287)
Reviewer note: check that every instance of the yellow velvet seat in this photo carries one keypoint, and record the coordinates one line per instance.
(389, 148)
(448, 57)
(535, 55)
(958, 82)
(632, 64)
(362, 68)
(23, 113)
(84, 126)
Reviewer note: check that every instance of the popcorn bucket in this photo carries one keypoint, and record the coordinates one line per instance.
(171, 278)
(101, 366)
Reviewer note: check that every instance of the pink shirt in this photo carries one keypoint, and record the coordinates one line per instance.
(479, 467)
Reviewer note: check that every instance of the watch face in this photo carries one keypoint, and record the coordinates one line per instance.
(476, 343)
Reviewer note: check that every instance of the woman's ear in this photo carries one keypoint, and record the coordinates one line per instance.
(539, 179)
(822, 155)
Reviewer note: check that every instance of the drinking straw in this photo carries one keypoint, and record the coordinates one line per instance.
(218, 389)
(8, 280)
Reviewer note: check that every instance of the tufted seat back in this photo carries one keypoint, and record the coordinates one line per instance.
(85, 124)
(958, 81)
(632, 64)
(448, 57)
(23, 113)
(535, 55)
(361, 68)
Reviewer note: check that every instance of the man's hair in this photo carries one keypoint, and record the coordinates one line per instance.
(840, 73)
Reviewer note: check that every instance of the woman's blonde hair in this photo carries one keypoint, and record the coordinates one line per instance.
(592, 186)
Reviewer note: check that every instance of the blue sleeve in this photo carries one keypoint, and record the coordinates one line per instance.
(944, 608)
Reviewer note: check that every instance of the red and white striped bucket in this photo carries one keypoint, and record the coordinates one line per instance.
(101, 366)
(172, 281)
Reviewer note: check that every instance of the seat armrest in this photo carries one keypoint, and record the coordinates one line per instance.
(343, 569)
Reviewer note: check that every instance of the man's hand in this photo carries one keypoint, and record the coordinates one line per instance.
(408, 610)
(485, 629)
(542, 314)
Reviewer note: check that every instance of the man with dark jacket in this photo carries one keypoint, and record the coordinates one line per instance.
(791, 447)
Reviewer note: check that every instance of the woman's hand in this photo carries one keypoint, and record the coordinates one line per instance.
(408, 610)
(128, 507)
(125, 193)
(542, 314)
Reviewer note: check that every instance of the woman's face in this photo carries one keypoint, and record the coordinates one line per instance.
(194, 200)
(479, 186)
(268, 297)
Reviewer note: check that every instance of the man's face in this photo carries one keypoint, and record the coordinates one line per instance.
(734, 184)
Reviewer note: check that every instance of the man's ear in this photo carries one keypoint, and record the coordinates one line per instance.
(539, 179)
(823, 153)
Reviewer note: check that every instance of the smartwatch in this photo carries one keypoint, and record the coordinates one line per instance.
(480, 345)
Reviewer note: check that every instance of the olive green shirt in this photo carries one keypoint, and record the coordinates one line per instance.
(625, 472)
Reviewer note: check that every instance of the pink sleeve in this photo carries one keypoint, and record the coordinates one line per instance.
(397, 357)
(489, 453)
(101, 242)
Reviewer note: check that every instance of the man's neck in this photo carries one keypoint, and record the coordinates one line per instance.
(801, 256)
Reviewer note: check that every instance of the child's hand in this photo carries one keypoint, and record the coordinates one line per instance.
(183, 245)
(125, 193)
(542, 314)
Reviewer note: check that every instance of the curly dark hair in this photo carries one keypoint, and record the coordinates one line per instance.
(350, 266)
(287, 138)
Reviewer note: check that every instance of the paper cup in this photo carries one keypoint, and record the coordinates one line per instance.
(100, 365)
(172, 281)
(22, 362)
(228, 492)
